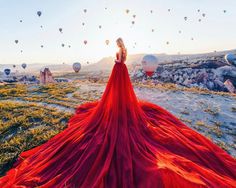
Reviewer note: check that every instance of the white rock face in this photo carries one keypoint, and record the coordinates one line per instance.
(208, 74)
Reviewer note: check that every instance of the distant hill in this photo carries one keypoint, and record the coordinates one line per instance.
(106, 63)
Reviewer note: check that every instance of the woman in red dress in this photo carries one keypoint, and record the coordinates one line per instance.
(121, 142)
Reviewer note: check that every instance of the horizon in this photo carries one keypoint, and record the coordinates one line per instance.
(91, 63)
(208, 35)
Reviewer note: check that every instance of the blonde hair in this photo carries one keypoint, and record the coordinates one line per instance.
(122, 47)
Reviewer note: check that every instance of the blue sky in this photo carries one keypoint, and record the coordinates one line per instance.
(216, 31)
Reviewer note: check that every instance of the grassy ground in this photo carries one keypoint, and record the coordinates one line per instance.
(24, 126)
(32, 114)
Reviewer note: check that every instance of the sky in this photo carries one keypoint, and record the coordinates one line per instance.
(216, 31)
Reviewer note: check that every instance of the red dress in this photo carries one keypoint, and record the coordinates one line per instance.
(121, 142)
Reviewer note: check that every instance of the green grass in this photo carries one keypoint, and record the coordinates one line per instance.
(24, 126)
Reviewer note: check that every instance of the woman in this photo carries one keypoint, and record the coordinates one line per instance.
(121, 142)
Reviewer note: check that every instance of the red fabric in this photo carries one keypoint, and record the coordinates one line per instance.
(120, 142)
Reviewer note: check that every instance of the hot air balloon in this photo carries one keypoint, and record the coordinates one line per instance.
(167, 42)
(14, 66)
(69, 46)
(134, 16)
(133, 22)
(23, 65)
(151, 11)
(203, 15)
(149, 64)
(100, 27)
(41, 26)
(199, 20)
(39, 13)
(107, 42)
(21, 51)
(185, 18)
(85, 42)
(16, 41)
(224, 11)
(21, 21)
(85, 10)
(153, 30)
(83, 23)
(168, 10)
(41, 46)
(7, 71)
(231, 59)
(192, 39)
(198, 10)
(62, 45)
(87, 62)
(76, 67)
(127, 11)
(60, 29)
(180, 32)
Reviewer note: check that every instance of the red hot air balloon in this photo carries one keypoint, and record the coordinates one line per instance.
(149, 64)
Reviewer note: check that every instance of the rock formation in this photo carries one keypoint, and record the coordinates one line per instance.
(46, 76)
(211, 74)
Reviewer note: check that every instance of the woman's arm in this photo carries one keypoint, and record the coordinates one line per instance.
(119, 57)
